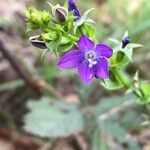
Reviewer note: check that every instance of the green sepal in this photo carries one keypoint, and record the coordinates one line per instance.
(52, 46)
(128, 50)
(86, 13)
(51, 35)
(86, 29)
(64, 48)
(83, 20)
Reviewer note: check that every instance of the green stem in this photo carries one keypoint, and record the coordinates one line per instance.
(120, 77)
(124, 81)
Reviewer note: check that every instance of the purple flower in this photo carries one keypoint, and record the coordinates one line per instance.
(90, 59)
(72, 7)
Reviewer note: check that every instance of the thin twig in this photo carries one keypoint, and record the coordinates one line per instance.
(37, 84)
(15, 64)
(45, 86)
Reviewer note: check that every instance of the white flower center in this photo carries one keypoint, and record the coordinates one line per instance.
(91, 57)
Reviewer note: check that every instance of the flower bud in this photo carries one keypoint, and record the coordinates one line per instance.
(73, 7)
(37, 43)
(59, 13)
(45, 17)
(125, 41)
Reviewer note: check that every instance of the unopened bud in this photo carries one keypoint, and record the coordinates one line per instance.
(59, 13)
(125, 41)
(37, 43)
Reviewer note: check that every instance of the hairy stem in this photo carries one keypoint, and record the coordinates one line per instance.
(127, 84)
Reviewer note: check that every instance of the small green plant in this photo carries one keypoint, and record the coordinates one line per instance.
(71, 37)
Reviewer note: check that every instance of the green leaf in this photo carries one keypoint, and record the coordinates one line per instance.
(142, 101)
(112, 83)
(115, 124)
(80, 24)
(59, 27)
(65, 41)
(145, 88)
(51, 35)
(86, 13)
(11, 85)
(119, 59)
(52, 46)
(133, 45)
(129, 50)
(65, 47)
(50, 118)
(108, 103)
(145, 92)
(91, 31)
(86, 29)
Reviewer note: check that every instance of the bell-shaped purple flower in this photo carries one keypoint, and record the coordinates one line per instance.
(90, 59)
(73, 7)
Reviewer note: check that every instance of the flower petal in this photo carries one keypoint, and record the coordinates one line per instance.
(104, 50)
(86, 73)
(72, 7)
(101, 68)
(71, 59)
(85, 43)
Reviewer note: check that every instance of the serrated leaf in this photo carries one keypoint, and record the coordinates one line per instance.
(50, 118)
